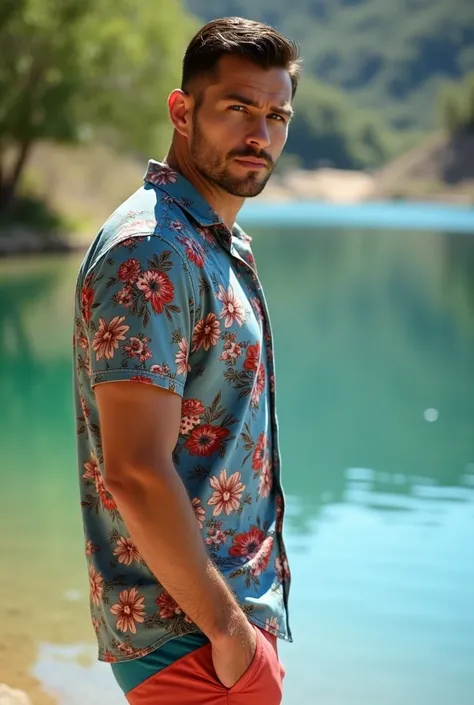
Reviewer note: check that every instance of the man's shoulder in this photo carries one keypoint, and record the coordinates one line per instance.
(147, 212)
(145, 221)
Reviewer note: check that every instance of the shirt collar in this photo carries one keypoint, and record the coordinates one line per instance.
(182, 191)
(188, 197)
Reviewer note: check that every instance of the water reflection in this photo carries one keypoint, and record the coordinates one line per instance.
(373, 332)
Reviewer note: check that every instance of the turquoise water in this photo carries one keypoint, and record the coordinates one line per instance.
(389, 215)
(374, 337)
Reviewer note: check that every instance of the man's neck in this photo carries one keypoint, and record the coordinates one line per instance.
(222, 203)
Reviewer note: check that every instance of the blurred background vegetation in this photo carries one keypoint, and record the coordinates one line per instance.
(380, 78)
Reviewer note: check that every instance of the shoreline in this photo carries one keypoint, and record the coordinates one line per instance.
(356, 213)
(34, 245)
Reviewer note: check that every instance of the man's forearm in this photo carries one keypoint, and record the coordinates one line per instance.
(160, 518)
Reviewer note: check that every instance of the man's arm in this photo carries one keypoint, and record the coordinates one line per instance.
(139, 428)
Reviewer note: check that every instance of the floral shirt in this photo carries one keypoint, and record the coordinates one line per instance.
(167, 295)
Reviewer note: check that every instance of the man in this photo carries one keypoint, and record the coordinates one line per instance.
(179, 468)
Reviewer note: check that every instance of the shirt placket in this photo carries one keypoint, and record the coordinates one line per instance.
(257, 288)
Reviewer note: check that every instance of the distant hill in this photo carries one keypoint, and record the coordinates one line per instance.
(441, 167)
(390, 56)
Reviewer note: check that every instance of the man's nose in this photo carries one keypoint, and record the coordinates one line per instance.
(258, 135)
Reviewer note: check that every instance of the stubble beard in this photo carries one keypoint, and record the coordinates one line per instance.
(213, 167)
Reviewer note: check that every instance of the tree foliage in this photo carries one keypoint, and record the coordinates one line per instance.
(456, 105)
(76, 68)
(329, 130)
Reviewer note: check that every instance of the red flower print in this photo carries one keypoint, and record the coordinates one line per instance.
(272, 383)
(194, 251)
(96, 624)
(191, 411)
(259, 452)
(128, 610)
(227, 492)
(262, 559)
(253, 357)
(206, 333)
(282, 568)
(124, 297)
(96, 585)
(206, 233)
(181, 358)
(130, 270)
(106, 499)
(167, 606)
(107, 338)
(91, 469)
(206, 439)
(91, 548)
(279, 513)
(161, 176)
(157, 288)
(215, 536)
(266, 479)
(199, 511)
(259, 386)
(109, 657)
(248, 543)
(87, 297)
(192, 407)
(85, 410)
(126, 551)
(162, 370)
(232, 308)
(137, 347)
(126, 649)
(257, 307)
(93, 473)
(129, 227)
(231, 351)
(177, 225)
(81, 339)
(141, 378)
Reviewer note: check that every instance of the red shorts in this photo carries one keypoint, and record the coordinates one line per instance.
(191, 680)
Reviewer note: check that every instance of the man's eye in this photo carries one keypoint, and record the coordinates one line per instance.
(237, 108)
(275, 116)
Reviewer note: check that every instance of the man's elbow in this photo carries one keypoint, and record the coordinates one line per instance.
(124, 479)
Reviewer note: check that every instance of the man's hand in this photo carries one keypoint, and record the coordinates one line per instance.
(233, 655)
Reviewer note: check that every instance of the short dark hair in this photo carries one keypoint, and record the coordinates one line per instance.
(255, 41)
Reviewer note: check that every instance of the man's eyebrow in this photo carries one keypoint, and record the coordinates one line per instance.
(285, 109)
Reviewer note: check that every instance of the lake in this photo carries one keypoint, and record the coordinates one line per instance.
(374, 338)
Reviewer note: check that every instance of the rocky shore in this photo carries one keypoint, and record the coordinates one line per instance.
(439, 170)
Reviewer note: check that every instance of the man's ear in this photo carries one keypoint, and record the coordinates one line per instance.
(180, 105)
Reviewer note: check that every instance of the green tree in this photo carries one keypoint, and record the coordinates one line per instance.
(76, 68)
(456, 105)
(469, 118)
(328, 130)
(449, 108)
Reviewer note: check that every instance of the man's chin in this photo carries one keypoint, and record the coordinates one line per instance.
(249, 190)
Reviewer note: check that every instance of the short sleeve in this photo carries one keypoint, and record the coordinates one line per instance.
(136, 305)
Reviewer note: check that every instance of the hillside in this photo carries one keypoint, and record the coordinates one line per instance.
(391, 57)
(442, 167)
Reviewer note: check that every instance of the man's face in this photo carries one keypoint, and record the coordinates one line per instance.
(241, 126)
